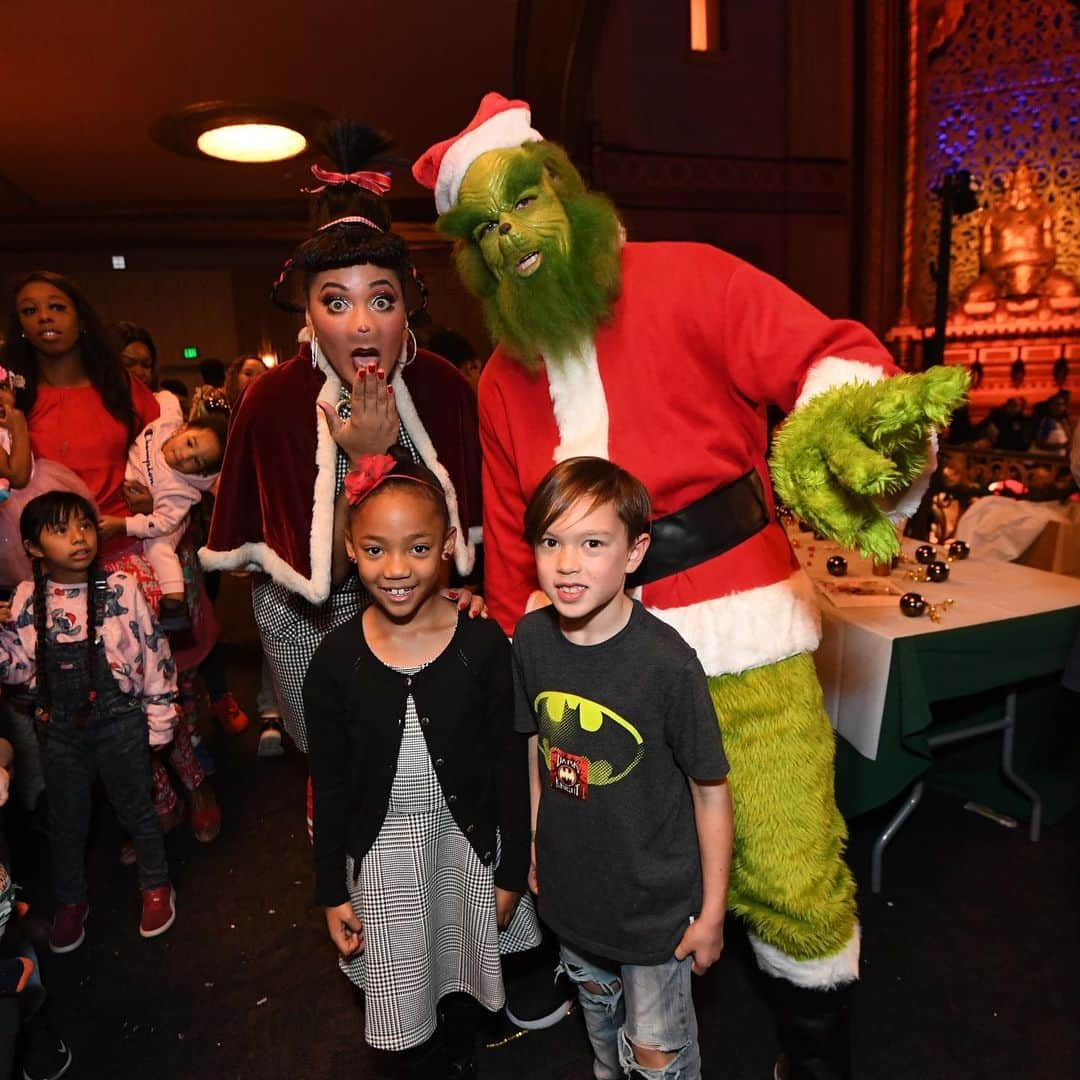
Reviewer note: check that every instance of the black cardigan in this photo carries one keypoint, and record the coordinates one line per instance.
(355, 709)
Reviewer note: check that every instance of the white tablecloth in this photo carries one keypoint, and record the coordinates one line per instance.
(856, 649)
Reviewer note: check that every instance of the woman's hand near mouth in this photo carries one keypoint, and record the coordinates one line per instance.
(373, 426)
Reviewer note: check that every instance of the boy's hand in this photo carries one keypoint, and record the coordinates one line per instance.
(704, 939)
(506, 903)
(346, 930)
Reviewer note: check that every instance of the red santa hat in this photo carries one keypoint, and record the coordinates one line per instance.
(499, 124)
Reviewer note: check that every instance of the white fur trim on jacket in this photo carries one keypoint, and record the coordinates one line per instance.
(504, 130)
(464, 552)
(259, 556)
(580, 405)
(833, 371)
(825, 974)
(749, 629)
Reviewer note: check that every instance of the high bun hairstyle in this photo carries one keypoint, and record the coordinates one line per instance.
(350, 219)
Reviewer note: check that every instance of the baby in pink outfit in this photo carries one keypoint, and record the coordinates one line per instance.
(178, 462)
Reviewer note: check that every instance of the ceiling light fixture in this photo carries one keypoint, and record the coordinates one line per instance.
(263, 130)
(252, 142)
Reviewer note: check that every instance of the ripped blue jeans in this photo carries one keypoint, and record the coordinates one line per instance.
(650, 1007)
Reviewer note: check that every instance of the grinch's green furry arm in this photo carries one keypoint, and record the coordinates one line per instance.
(835, 455)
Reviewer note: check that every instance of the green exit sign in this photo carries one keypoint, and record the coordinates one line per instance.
(191, 352)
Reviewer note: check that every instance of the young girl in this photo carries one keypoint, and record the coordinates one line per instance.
(178, 462)
(418, 778)
(87, 645)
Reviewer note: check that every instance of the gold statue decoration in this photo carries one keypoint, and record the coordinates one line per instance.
(1017, 257)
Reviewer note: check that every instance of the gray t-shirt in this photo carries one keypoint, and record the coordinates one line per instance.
(621, 726)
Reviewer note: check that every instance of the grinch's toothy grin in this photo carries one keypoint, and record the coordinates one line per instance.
(528, 264)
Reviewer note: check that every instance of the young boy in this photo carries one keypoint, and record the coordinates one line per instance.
(178, 462)
(631, 811)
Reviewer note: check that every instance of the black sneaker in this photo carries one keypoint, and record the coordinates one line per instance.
(537, 999)
(45, 1055)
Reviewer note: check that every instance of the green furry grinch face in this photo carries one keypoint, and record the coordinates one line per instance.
(514, 215)
(539, 250)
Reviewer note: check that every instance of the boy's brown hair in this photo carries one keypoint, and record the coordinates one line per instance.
(598, 482)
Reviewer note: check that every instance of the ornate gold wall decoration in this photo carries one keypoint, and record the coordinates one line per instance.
(1004, 89)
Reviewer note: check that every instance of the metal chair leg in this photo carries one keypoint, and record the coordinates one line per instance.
(1007, 742)
(889, 832)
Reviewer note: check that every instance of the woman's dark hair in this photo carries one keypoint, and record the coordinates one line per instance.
(100, 359)
(597, 482)
(215, 421)
(335, 242)
(127, 332)
(53, 510)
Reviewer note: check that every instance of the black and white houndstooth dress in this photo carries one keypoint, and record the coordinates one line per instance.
(427, 905)
(291, 627)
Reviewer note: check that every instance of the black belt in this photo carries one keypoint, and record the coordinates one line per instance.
(715, 523)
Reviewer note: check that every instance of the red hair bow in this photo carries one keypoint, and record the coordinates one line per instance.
(372, 470)
(376, 182)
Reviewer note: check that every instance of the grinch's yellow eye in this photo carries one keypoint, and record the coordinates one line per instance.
(483, 230)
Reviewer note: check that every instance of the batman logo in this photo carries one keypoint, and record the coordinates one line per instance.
(576, 723)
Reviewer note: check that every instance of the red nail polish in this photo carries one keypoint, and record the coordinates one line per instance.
(453, 596)
(381, 373)
(371, 368)
(389, 389)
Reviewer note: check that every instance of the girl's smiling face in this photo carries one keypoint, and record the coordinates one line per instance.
(399, 540)
(358, 316)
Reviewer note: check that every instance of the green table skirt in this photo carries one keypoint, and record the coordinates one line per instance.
(959, 677)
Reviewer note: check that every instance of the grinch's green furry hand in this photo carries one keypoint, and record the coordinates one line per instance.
(834, 456)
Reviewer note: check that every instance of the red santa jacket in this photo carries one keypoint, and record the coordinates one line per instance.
(698, 344)
(275, 505)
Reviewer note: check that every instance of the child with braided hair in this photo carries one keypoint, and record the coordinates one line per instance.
(86, 644)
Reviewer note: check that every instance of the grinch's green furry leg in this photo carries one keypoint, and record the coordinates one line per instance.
(789, 878)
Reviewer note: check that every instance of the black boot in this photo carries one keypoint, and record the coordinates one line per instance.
(815, 1030)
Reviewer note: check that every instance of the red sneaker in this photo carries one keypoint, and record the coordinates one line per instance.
(229, 714)
(68, 931)
(158, 910)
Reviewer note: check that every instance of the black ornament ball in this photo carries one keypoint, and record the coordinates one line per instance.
(912, 604)
(958, 549)
(836, 565)
(937, 570)
(925, 553)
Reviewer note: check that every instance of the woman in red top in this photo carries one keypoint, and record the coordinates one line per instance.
(84, 411)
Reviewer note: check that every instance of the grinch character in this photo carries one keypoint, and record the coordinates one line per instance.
(662, 357)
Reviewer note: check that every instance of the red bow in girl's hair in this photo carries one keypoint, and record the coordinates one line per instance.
(376, 182)
(372, 470)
